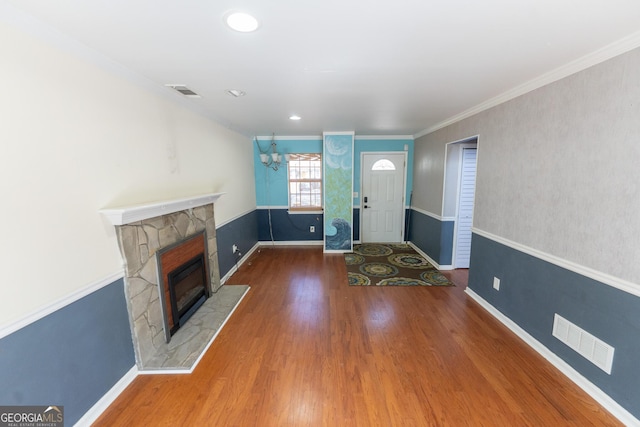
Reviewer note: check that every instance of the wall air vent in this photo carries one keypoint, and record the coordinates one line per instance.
(593, 349)
(184, 90)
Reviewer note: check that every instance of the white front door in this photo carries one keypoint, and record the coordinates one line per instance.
(382, 197)
(465, 208)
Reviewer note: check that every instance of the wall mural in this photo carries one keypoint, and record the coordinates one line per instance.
(338, 191)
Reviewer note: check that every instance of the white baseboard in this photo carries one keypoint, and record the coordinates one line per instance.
(101, 405)
(428, 258)
(292, 243)
(591, 389)
(242, 260)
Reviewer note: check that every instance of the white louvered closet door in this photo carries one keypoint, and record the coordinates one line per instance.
(465, 208)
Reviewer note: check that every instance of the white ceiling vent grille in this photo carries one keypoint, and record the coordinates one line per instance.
(184, 90)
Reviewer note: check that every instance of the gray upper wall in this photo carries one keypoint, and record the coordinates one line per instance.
(558, 168)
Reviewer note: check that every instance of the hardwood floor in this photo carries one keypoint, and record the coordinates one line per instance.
(305, 349)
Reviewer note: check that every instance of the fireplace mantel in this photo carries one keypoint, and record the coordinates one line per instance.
(128, 214)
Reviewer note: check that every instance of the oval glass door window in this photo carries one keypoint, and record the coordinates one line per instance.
(383, 165)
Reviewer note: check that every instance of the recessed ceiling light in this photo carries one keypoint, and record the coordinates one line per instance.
(242, 22)
(236, 93)
(294, 117)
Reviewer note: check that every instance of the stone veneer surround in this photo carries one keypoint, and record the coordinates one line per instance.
(139, 241)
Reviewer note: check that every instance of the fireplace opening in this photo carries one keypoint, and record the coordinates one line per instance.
(187, 290)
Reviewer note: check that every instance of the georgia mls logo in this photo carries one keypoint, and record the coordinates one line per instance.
(31, 416)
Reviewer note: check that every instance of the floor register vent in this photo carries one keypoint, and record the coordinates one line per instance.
(593, 349)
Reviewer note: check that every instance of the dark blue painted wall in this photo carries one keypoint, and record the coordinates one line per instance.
(532, 290)
(288, 227)
(71, 357)
(242, 232)
(356, 224)
(433, 237)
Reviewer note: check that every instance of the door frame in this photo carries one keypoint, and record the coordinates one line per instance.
(470, 142)
(404, 190)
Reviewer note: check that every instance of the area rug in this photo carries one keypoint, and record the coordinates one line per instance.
(390, 265)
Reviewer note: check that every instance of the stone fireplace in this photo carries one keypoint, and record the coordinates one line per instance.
(183, 281)
(158, 240)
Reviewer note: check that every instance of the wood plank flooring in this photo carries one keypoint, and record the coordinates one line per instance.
(305, 349)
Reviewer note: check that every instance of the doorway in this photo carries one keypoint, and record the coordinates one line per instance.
(382, 197)
(466, 197)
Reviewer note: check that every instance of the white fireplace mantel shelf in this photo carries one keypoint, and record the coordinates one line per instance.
(128, 214)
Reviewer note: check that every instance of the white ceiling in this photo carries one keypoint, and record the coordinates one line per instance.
(376, 67)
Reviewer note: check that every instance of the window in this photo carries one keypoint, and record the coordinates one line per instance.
(305, 182)
(383, 165)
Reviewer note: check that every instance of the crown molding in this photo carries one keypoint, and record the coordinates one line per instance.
(612, 50)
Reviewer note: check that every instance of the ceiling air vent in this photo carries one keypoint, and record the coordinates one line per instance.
(184, 90)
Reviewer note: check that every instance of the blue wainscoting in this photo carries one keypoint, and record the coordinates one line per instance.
(72, 357)
(242, 232)
(532, 290)
(356, 224)
(287, 227)
(292, 228)
(432, 236)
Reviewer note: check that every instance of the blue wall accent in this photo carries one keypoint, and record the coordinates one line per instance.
(275, 194)
(288, 227)
(446, 242)
(337, 189)
(71, 357)
(356, 224)
(532, 290)
(271, 186)
(364, 145)
(432, 236)
(242, 232)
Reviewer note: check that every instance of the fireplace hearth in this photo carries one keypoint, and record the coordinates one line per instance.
(146, 231)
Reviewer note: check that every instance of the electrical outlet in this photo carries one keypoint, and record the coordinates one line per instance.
(234, 248)
(496, 283)
(312, 229)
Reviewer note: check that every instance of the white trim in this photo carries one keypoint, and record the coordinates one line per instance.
(384, 137)
(318, 212)
(202, 353)
(623, 285)
(230, 220)
(128, 214)
(319, 137)
(291, 243)
(105, 401)
(242, 260)
(428, 258)
(616, 48)
(591, 389)
(346, 132)
(272, 207)
(61, 303)
(290, 138)
(432, 215)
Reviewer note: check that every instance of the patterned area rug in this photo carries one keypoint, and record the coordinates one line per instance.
(390, 265)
